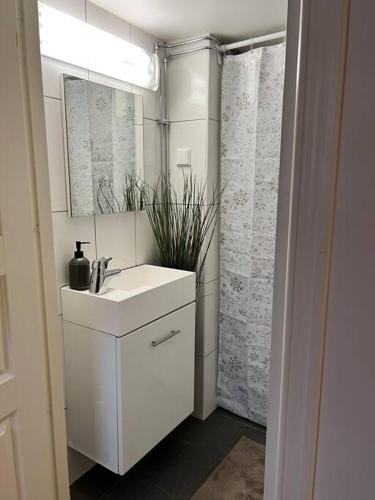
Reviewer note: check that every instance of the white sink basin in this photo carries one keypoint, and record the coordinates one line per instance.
(132, 299)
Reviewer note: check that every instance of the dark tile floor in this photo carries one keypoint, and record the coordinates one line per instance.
(176, 467)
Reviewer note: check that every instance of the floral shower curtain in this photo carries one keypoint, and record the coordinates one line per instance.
(252, 90)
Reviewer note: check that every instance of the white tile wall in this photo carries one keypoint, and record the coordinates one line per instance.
(188, 134)
(198, 387)
(151, 102)
(202, 137)
(139, 145)
(211, 269)
(116, 235)
(194, 86)
(65, 233)
(213, 154)
(193, 83)
(214, 92)
(52, 71)
(187, 86)
(152, 152)
(144, 240)
(209, 383)
(138, 111)
(207, 323)
(194, 95)
(205, 385)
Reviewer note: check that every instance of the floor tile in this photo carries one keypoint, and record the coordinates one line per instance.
(93, 484)
(177, 466)
(250, 429)
(135, 487)
(219, 431)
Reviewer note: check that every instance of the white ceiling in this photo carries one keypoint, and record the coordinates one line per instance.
(229, 20)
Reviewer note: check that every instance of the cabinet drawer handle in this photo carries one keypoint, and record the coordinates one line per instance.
(163, 339)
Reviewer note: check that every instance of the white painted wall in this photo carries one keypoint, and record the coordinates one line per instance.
(126, 237)
(193, 96)
(346, 457)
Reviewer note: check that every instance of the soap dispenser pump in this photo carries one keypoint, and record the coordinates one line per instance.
(79, 269)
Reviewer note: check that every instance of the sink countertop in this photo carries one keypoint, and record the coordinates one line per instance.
(130, 299)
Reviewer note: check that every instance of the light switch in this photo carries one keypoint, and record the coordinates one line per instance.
(183, 157)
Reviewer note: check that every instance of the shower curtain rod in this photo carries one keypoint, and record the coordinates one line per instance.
(253, 41)
(219, 48)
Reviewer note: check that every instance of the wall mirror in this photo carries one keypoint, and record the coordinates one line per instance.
(104, 148)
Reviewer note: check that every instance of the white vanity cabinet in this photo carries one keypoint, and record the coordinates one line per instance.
(156, 383)
(125, 393)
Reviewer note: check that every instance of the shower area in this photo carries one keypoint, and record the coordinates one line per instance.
(221, 114)
(221, 122)
(251, 112)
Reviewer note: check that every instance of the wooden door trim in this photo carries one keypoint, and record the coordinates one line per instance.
(33, 74)
(34, 344)
(317, 38)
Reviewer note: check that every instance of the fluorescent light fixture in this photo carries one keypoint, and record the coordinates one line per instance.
(68, 39)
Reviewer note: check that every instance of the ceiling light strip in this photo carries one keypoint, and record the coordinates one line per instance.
(66, 38)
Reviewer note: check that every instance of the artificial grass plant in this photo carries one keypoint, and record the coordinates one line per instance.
(183, 224)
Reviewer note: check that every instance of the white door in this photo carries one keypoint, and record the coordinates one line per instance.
(8, 480)
(29, 462)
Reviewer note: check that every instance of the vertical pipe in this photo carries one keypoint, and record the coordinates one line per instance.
(163, 121)
(161, 107)
(166, 119)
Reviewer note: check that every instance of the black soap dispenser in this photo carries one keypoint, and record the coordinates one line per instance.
(79, 269)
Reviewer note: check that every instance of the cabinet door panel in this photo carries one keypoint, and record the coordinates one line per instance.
(90, 377)
(155, 382)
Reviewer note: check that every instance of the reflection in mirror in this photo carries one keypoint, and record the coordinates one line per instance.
(104, 136)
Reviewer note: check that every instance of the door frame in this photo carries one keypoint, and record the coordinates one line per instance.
(312, 112)
(33, 72)
(314, 83)
(33, 333)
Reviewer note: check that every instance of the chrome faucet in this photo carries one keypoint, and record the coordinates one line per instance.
(100, 273)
